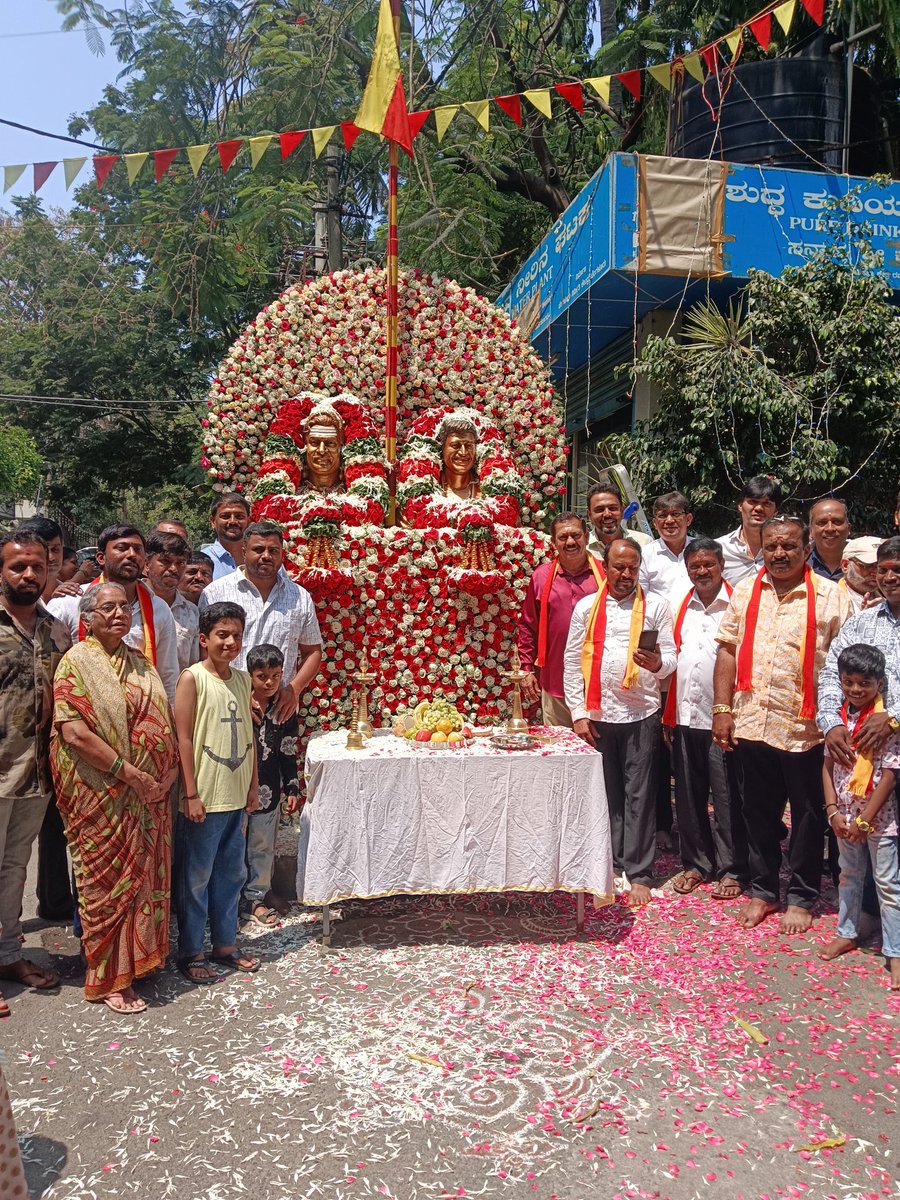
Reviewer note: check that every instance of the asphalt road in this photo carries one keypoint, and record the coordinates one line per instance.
(472, 1047)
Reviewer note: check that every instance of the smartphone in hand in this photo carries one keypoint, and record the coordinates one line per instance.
(648, 639)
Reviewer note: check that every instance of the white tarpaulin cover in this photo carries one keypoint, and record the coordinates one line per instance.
(399, 819)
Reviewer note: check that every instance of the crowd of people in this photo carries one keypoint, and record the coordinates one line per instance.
(163, 682)
(760, 671)
(149, 716)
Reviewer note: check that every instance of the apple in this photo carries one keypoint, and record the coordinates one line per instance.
(423, 735)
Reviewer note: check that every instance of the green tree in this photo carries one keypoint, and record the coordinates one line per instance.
(799, 379)
(20, 463)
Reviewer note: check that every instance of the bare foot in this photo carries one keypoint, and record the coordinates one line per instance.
(755, 913)
(795, 920)
(663, 839)
(836, 947)
(895, 974)
(639, 895)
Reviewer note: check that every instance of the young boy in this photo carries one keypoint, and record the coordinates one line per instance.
(217, 748)
(861, 809)
(276, 758)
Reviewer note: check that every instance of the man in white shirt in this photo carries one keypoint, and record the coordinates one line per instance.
(279, 612)
(167, 556)
(742, 548)
(605, 515)
(616, 713)
(858, 568)
(662, 562)
(718, 851)
(121, 554)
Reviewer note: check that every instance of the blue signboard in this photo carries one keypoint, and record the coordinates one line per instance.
(773, 219)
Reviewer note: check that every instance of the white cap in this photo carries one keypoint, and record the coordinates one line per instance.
(863, 549)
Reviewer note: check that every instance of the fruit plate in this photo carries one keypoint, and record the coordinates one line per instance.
(514, 741)
(436, 745)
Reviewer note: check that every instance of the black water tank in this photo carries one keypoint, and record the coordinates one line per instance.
(787, 112)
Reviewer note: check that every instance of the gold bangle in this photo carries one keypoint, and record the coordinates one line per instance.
(721, 708)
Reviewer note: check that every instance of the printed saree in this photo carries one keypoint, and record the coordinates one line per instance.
(121, 847)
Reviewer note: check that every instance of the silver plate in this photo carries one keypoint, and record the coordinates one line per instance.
(514, 741)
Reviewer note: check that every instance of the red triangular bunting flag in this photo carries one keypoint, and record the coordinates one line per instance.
(762, 29)
(512, 106)
(290, 141)
(573, 93)
(396, 119)
(710, 57)
(417, 120)
(103, 164)
(816, 9)
(42, 172)
(632, 81)
(228, 152)
(350, 133)
(162, 160)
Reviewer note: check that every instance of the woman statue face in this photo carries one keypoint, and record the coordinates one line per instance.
(111, 617)
(459, 454)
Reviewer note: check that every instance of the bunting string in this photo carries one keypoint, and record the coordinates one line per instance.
(706, 60)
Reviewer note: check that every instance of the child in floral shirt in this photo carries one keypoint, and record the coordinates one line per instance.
(861, 809)
(276, 754)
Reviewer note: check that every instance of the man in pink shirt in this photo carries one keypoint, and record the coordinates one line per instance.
(554, 590)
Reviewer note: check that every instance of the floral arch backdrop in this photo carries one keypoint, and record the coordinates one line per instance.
(401, 598)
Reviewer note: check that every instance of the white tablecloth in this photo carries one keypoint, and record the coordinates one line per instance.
(399, 819)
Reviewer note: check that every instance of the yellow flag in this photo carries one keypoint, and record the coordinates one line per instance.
(734, 39)
(11, 174)
(72, 169)
(662, 74)
(196, 155)
(134, 162)
(693, 66)
(442, 118)
(541, 101)
(601, 86)
(383, 108)
(480, 111)
(258, 147)
(784, 14)
(321, 137)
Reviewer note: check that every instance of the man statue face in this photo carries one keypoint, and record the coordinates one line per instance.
(459, 453)
(323, 456)
(23, 573)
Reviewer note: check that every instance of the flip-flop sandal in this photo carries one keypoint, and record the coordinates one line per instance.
(264, 916)
(188, 965)
(5, 1010)
(125, 1012)
(50, 984)
(726, 889)
(236, 962)
(687, 882)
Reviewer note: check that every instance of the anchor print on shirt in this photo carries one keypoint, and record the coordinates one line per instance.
(234, 761)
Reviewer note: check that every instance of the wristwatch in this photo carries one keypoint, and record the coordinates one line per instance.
(864, 825)
(893, 724)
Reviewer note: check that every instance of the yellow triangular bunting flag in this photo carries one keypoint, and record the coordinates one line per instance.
(11, 174)
(541, 101)
(134, 162)
(321, 137)
(72, 169)
(601, 86)
(662, 74)
(258, 147)
(442, 118)
(784, 14)
(196, 155)
(693, 67)
(480, 111)
(734, 39)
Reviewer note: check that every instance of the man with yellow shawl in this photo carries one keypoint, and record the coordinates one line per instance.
(113, 757)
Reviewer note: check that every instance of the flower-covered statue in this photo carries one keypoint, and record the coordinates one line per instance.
(296, 418)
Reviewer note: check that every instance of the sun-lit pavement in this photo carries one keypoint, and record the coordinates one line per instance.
(473, 1047)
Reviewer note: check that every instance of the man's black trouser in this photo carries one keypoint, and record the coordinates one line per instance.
(54, 892)
(630, 774)
(718, 848)
(772, 779)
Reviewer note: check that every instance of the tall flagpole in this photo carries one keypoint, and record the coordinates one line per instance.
(392, 338)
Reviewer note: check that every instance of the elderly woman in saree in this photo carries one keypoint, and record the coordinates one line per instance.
(113, 757)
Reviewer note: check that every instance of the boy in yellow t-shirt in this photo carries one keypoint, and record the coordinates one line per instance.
(217, 747)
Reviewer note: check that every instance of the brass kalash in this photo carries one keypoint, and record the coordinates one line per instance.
(360, 729)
